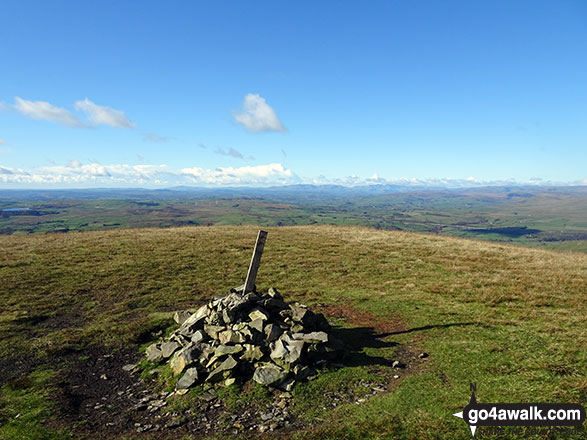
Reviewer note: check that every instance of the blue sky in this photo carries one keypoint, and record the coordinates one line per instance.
(151, 94)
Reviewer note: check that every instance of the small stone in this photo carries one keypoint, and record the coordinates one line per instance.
(273, 293)
(312, 337)
(257, 324)
(229, 336)
(228, 364)
(423, 355)
(267, 416)
(198, 336)
(228, 382)
(222, 350)
(189, 378)
(129, 367)
(258, 313)
(213, 330)
(104, 377)
(398, 364)
(299, 312)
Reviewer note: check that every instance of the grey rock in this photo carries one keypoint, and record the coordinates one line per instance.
(216, 374)
(230, 336)
(154, 352)
(189, 378)
(257, 324)
(222, 350)
(184, 358)
(312, 337)
(213, 330)
(199, 336)
(267, 416)
(299, 312)
(197, 319)
(258, 313)
(273, 293)
(168, 348)
(269, 374)
(180, 316)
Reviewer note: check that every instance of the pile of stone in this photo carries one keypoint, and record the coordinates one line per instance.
(243, 335)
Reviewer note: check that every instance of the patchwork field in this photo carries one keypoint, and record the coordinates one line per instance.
(549, 217)
(78, 307)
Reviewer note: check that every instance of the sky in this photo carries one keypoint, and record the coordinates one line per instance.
(202, 93)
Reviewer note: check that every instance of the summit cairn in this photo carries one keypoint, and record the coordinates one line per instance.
(247, 334)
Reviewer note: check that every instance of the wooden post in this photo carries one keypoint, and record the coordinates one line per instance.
(255, 261)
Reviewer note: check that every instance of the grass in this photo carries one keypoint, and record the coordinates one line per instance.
(25, 406)
(511, 319)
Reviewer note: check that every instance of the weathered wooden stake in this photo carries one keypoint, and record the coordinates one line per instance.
(255, 261)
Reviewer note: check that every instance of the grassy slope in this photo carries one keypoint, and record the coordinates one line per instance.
(511, 319)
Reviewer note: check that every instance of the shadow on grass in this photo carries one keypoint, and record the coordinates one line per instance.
(356, 340)
(428, 327)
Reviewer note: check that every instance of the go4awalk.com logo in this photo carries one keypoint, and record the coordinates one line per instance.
(520, 414)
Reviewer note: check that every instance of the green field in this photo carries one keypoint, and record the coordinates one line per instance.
(554, 218)
(509, 318)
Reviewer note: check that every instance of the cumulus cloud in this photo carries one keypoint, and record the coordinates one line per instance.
(152, 137)
(270, 174)
(45, 111)
(101, 115)
(258, 116)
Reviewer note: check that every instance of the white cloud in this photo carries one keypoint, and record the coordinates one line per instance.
(258, 116)
(3, 142)
(45, 111)
(270, 174)
(100, 115)
(79, 174)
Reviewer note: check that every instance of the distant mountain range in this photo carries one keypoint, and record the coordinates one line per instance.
(288, 192)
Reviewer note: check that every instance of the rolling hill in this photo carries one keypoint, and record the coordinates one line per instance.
(451, 311)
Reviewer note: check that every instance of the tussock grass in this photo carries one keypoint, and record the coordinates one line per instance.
(511, 319)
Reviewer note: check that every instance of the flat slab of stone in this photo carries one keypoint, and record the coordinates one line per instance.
(312, 337)
(269, 374)
(168, 348)
(189, 378)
